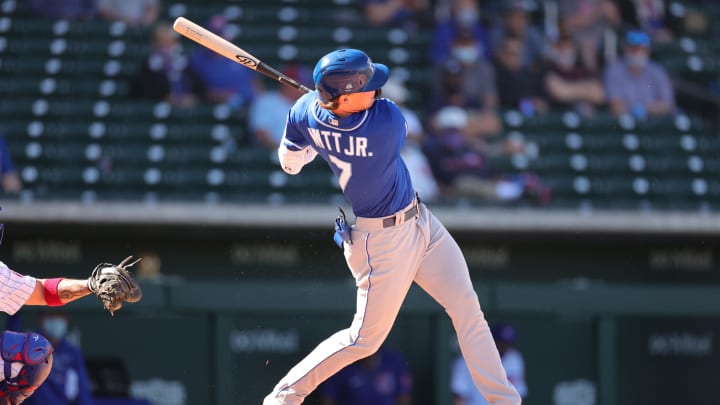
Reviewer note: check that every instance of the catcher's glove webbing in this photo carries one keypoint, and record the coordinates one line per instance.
(114, 285)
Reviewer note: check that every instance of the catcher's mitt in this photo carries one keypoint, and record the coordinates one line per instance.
(113, 284)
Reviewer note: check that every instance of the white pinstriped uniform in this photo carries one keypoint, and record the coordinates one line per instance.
(15, 289)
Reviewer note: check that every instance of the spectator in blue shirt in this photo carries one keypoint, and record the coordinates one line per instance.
(224, 80)
(381, 379)
(463, 18)
(268, 111)
(68, 382)
(637, 85)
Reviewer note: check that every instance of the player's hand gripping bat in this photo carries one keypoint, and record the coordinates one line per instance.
(218, 44)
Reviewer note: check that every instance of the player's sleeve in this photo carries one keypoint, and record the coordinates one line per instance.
(15, 289)
(294, 151)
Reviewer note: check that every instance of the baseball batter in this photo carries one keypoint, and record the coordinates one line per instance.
(395, 240)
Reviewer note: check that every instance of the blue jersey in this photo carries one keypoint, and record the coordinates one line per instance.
(362, 149)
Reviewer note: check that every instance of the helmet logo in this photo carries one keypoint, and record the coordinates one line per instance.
(348, 87)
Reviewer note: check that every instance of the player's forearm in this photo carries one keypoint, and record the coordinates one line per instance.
(71, 289)
(50, 292)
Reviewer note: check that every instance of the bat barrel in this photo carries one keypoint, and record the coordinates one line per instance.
(222, 46)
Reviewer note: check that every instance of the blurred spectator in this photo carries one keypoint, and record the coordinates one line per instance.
(164, 75)
(224, 81)
(587, 21)
(568, 83)
(519, 87)
(462, 386)
(463, 18)
(420, 171)
(268, 112)
(68, 382)
(64, 9)
(464, 79)
(636, 85)
(380, 379)
(468, 81)
(461, 165)
(516, 23)
(694, 19)
(9, 180)
(651, 16)
(150, 267)
(134, 13)
(406, 13)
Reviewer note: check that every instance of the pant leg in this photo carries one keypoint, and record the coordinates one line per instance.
(383, 277)
(444, 275)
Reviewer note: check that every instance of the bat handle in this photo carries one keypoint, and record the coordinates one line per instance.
(280, 77)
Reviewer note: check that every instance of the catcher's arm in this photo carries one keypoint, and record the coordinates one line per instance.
(68, 290)
(111, 283)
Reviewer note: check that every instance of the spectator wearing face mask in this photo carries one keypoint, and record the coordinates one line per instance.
(68, 382)
(637, 85)
(568, 83)
(467, 80)
(515, 22)
(463, 17)
(519, 87)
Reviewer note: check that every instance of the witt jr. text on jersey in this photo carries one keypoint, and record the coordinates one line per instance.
(335, 141)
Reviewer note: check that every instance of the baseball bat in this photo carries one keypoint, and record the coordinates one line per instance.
(222, 46)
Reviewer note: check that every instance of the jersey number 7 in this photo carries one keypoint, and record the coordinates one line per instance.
(345, 170)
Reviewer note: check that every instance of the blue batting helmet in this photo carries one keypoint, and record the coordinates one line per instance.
(348, 71)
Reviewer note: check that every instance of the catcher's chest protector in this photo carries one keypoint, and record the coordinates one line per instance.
(26, 363)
